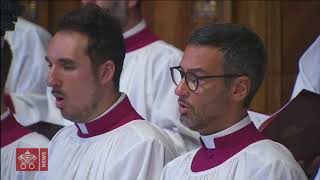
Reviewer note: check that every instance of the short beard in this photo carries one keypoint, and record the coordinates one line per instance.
(85, 112)
(194, 120)
(190, 120)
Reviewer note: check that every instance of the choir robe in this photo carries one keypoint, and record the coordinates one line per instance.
(258, 118)
(317, 177)
(237, 153)
(27, 76)
(117, 145)
(309, 70)
(13, 136)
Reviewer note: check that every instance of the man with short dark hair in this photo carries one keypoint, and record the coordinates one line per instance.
(109, 140)
(221, 70)
(146, 77)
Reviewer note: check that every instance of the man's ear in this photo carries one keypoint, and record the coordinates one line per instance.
(106, 72)
(240, 88)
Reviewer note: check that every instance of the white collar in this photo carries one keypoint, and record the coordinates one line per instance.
(134, 30)
(208, 140)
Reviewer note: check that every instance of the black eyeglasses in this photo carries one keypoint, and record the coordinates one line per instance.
(192, 79)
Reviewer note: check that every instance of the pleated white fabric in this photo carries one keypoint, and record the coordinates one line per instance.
(135, 151)
(147, 81)
(309, 70)
(258, 118)
(12, 138)
(116, 145)
(265, 160)
(8, 156)
(28, 72)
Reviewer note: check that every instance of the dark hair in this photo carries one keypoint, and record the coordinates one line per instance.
(10, 10)
(6, 58)
(243, 50)
(104, 33)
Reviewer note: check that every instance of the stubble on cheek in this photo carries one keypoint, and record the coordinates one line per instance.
(188, 119)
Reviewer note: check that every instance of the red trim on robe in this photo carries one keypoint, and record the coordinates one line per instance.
(11, 130)
(226, 147)
(139, 40)
(118, 116)
(9, 103)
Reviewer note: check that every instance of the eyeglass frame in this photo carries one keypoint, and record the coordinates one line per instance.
(198, 78)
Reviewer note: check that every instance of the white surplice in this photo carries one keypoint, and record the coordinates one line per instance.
(118, 145)
(147, 81)
(13, 136)
(28, 71)
(309, 70)
(237, 153)
(258, 118)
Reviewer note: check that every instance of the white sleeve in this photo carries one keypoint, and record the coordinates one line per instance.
(8, 156)
(279, 171)
(29, 108)
(28, 70)
(309, 70)
(317, 177)
(257, 118)
(144, 161)
(166, 173)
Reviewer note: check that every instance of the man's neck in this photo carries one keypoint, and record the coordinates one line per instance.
(235, 118)
(133, 19)
(106, 103)
(231, 118)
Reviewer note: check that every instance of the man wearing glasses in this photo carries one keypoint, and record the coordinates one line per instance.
(221, 70)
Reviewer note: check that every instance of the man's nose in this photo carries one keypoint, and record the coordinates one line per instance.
(53, 78)
(182, 89)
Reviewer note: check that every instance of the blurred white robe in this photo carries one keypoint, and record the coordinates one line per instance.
(317, 177)
(147, 81)
(27, 77)
(309, 70)
(258, 118)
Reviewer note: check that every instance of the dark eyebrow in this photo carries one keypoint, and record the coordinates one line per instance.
(195, 70)
(63, 61)
(67, 61)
